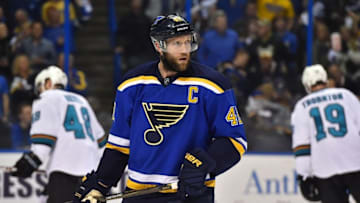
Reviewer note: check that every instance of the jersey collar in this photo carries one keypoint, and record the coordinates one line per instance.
(169, 80)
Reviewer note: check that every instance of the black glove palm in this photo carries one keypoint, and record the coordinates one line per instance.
(309, 189)
(197, 165)
(26, 165)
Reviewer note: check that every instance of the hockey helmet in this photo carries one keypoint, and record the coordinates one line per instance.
(165, 27)
(312, 75)
(53, 73)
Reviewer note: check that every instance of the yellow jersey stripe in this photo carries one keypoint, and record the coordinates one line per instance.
(139, 186)
(238, 146)
(152, 79)
(123, 150)
(203, 81)
(138, 80)
(210, 183)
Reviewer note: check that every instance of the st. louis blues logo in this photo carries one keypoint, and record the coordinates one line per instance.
(160, 116)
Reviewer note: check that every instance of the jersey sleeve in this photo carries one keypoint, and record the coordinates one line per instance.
(301, 131)
(45, 122)
(119, 138)
(42, 151)
(225, 121)
(301, 141)
(117, 149)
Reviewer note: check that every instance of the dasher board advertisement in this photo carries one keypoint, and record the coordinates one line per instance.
(269, 178)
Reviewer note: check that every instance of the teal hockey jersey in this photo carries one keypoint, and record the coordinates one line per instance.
(157, 120)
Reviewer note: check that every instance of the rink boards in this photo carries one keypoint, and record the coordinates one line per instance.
(267, 178)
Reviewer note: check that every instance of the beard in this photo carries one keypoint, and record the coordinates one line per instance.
(171, 64)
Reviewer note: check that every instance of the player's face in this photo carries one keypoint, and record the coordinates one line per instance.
(177, 55)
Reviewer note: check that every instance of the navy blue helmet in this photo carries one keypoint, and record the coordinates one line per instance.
(165, 27)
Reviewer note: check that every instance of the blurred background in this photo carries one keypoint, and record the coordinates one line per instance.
(261, 46)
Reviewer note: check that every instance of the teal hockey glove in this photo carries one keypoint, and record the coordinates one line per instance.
(197, 165)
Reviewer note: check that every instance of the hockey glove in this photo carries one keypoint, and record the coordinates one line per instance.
(309, 188)
(26, 165)
(197, 165)
(91, 190)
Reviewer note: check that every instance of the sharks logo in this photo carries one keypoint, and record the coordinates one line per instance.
(161, 116)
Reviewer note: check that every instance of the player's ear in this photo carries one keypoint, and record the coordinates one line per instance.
(48, 84)
(157, 47)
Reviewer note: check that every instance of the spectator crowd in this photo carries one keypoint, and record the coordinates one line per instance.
(259, 45)
(32, 37)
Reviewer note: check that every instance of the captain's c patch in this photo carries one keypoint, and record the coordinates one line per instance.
(233, 116)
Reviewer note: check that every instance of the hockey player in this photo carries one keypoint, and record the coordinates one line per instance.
(65, 133)
(326, 140)
(174, 121)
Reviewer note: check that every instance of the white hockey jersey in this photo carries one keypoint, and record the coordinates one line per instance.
(66, 123)
(326, 133)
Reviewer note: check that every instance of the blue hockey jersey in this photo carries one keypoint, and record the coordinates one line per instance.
(156, 120)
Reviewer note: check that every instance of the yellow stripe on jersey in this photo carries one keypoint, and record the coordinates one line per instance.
(139, 186)
(238, 146)
(204, 81)
(210, 183)
(123, 150)
(136, 80)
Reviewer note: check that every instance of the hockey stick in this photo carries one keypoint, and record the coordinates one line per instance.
(135, 193)
(10, 169)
